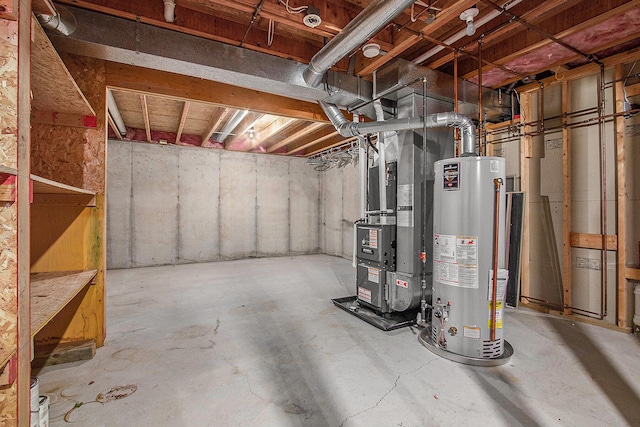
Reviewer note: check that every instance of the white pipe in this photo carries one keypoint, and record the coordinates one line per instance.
(462, 33)
(169, 10)
(231, 124)
(115, 113)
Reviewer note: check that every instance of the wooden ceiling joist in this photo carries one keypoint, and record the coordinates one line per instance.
(145, 115)
(314, 142)
(183, 119)
(301, 133)
(214, 123)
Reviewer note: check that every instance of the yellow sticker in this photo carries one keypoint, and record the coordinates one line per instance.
(498, 315)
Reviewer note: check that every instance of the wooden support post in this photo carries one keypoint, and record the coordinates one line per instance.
(526, 152)
(621, 201)
(566, 197)
(24, 184)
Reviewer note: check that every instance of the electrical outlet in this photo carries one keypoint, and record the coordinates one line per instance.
(582, 262)
(594, 264)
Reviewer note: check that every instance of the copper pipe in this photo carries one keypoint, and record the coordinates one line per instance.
(455, 99)
(480, 115)
(497, 183)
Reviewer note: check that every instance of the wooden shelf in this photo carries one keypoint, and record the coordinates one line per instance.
(50, 292)
(5, 356)
(52, 193)
(54, 89)
(7, 169)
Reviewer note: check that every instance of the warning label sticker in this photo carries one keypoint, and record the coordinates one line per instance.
(402, 283)
(471, 332)
(373, 238)
(451, 176)
(456, 260)
(374, 275)
(364, 294)
(498, 315)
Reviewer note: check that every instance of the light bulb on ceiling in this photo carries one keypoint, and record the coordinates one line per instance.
(468, 16)
(471, 29)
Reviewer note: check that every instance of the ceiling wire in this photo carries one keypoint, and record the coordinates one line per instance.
(255, 15)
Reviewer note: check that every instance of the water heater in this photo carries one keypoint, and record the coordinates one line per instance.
(468, 245)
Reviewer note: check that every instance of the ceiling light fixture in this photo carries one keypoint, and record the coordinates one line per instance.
(468, 16)
(312, 17)
(371, 50)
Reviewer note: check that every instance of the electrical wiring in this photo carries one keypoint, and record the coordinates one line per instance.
(270, 32)
(294, 10)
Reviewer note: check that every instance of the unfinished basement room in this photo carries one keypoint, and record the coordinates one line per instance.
(319, 213)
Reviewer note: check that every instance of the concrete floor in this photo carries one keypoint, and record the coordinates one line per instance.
(259, 343)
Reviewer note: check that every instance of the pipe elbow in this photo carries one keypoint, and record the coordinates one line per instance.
(311, 76)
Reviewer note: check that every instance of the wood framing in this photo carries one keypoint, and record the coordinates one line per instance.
(593, 241)
(185, 88)
(566, 199)
(622, 319)
(526, 152)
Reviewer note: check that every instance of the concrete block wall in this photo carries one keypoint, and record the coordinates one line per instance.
(175, 205)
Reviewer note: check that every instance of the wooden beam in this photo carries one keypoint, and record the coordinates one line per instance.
(145, 114)
(404, 42)
(246, 124)
(273, 128)
(113, 126)
(621, 202)
(305, 131)
(566, 198)
(214, 123)
(43, 6)
(632, 90)
(185, 88)
(183, 119)
(593, 241)
(314, 142)
(526, 153)
(632, 274)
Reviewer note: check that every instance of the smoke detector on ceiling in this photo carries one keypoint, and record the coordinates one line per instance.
(371, 50)
(312, 17)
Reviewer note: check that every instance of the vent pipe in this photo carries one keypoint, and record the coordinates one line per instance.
(371, 20)
(349, 129)
(63, 22)
(231, 125)
(114, 112)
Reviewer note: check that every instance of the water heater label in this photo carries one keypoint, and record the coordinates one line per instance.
(471, 332)
(494, 166)
(451, 176)
(456, 260)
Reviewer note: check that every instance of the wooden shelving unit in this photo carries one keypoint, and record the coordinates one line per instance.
(61, 257)
(51, 292)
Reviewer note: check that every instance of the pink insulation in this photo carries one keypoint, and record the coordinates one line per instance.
(617, 28)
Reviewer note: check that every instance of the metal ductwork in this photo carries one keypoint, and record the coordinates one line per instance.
(63, 22)
(371, 20)
(350, 129)
(231, 125)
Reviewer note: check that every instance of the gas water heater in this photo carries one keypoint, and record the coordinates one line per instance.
(468, 248)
